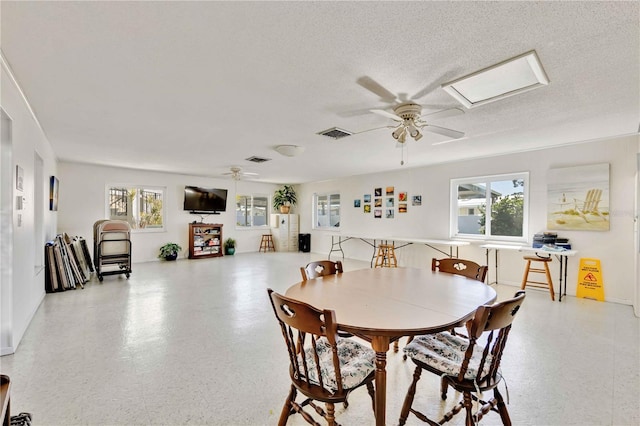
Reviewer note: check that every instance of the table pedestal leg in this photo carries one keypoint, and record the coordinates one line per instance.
(380, 344)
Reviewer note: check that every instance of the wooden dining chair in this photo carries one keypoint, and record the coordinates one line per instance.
(320, 268)
(466, 365)
(467, 268)
(323, 367)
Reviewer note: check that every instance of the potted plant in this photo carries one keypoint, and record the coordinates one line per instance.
(284, 198)
(169, 251)
(229, 246)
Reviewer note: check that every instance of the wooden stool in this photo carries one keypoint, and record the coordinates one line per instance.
(386, 257)
(548, 283)
(266, 243)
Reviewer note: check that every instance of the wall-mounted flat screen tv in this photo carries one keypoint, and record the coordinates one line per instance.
(205, 200)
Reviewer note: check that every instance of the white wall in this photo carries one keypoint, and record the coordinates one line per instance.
(615, 248)
(637, 234)
(82, 203)
(22, 286)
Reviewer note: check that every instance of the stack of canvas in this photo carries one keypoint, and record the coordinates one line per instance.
(67, 263)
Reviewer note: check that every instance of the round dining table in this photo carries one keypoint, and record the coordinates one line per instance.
(382, 305)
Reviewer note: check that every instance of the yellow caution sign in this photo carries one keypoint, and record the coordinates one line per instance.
(590, 285)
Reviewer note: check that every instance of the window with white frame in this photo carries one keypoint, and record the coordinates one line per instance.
(252, 211)
(326, 211)
(141, 206)
(490, 207)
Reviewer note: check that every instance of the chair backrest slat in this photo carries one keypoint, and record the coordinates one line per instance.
(320, 268)
(467, 268)
(492, 320)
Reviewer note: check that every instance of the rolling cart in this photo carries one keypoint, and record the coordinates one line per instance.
(112, 248)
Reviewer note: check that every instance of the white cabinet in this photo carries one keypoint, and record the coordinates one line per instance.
(285, 230)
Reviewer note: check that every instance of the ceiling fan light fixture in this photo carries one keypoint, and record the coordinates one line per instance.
(289, 150)
(413, 130)
(418, 136)
(400, 132)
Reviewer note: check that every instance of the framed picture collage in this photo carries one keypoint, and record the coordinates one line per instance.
(385, 202)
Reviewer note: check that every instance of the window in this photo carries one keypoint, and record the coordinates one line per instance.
(142, 207)
(326, 209)
(252, 211)
(506, 199)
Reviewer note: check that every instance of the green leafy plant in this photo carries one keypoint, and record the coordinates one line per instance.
(285, 196)
(229, 243)
(229, 246)
(169, 250)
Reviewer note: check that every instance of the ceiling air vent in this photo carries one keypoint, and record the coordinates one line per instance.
(255, 159)
(335, 133)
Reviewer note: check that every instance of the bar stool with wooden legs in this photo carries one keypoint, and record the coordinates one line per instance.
(266, 243)
(546, 284)
(386, 257)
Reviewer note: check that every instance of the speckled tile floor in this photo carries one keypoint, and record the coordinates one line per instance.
(195, 342)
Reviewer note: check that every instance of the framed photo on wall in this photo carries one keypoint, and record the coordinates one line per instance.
(19, 178)
(54, 186)
(578, 198)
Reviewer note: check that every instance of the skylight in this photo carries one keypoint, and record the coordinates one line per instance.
(507, 78)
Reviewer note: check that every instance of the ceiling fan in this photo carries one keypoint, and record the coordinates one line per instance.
(408, 113)
(236, 173)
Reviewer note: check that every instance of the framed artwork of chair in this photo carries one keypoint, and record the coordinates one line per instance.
(578, 198)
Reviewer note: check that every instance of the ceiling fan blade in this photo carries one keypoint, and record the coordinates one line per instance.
(375, 87)
(454, 134)
(375, 128)
(249, 174)
(450, 112)
(386, 114)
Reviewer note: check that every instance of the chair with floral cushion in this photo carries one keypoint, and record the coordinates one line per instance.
(465, 364)
(466, 268)
(323, 367)
(320, 268)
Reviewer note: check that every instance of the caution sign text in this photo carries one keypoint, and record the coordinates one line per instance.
(590, 285)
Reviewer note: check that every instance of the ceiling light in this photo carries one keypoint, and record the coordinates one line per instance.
(507, 78)
(413, 130)
(400, 132)
(289, 150)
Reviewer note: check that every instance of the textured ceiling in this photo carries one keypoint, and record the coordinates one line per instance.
(197, 87)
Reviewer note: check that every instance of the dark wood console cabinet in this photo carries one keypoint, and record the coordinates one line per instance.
(205, 240)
